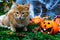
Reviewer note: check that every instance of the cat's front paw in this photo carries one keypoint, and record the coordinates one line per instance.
(25, 29)
(13, 29)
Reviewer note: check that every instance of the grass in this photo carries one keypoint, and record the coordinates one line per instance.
(6, 34)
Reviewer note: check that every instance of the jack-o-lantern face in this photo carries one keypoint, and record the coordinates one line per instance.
(57, 20)
(49, 27)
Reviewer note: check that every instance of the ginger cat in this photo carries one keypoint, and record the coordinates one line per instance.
(17, 16)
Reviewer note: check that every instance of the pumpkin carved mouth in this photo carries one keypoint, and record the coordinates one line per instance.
(46, 30)
(49, 29)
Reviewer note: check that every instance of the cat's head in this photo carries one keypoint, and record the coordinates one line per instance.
(20, 11)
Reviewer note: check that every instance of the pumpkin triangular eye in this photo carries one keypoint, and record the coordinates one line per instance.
(48, 23)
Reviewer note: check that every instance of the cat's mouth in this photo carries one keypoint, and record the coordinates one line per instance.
(20, 25)
(46, 30)
(22, 18)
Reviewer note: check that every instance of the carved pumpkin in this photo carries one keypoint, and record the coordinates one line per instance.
(36, 20)
(57, 20)
(49, 26)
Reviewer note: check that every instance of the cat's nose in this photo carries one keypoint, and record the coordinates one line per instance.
(19, 17)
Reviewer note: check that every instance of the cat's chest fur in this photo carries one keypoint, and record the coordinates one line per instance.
(22, 23)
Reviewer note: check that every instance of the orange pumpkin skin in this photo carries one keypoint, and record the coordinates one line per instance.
(36, 20)
(49, 26)
(57, 20)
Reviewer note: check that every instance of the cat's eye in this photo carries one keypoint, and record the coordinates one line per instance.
(23, 13)
(17, 13)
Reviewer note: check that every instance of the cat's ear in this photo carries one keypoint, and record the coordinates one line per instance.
(14, 5)
(27, 6)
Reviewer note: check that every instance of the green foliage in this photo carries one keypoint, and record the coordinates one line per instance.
(32, 26)
(6, 34)
(5, 5)
(1, 13)
(48, 18)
